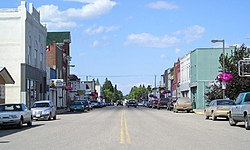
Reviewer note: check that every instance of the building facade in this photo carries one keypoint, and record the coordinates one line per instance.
(185, 76)
(58, 58)
(204, 67)
(23, 52)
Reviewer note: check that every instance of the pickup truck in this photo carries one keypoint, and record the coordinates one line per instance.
(241, 111)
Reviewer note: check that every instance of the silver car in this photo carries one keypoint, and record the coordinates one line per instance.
(15, 114)
(44, 110)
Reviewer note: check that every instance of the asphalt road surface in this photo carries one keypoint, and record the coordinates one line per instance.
(121, 128)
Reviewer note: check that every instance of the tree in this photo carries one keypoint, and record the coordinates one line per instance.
(111, 93)
(137, 92)
(108, 85)
(238, 84)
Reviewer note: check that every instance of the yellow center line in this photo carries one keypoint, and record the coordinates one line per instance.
(122, 129)
(126, 129)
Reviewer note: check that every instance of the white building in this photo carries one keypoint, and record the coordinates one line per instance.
(98, 89)
(23, 51)
(185, 76)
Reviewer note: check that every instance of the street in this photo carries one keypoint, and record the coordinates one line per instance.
(113, 128)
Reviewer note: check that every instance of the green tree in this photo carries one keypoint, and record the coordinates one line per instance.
(238, 84)
(111, 93)
(137, 92)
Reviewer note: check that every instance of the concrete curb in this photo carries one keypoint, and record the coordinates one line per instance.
(61, 111)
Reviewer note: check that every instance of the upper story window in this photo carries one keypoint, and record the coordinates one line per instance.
(41, 60)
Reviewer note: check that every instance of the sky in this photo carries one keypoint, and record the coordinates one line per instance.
(132, 41)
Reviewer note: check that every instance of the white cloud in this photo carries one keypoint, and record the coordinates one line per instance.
(162, 56)
(95, 43)
(82, 54)
(177, 50)
(50, 14)
(162, 5)
(100, 29)
(148, 40)
(192, 33)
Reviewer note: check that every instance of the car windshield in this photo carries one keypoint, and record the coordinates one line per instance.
(225, 102)
(132, 101)
(76, 103)
(40, 105)
(11, 107)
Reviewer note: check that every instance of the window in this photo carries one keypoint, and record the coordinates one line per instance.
(2, 92)
(41, 60)
(35, 58)
(28, 54)
(247, 98)
(239, 98)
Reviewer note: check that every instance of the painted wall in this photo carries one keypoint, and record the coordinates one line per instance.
(204, 67)
(25, 44)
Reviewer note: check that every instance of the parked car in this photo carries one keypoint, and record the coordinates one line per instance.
(154, 103)
(15, 114)
(183, 104)
(87, 105)
(95, 104)
(218, 108)
(77, 106)
(162, 103)
(132, 103)
(170, 104)
(43, 110)
(150, 104)
(119, 102)
(241, 111)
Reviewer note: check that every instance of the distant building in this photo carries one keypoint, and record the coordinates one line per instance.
(58, 58)
(98, 89)
(23, 52)
(185, 76)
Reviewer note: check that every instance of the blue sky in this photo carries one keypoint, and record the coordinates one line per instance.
(130, 41)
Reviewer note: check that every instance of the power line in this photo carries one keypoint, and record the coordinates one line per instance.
(118, 76)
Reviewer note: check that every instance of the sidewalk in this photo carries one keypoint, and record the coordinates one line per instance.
(61, 111)
(199, 111)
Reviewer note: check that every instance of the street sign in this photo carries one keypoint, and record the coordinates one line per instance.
(244, 67)
(56, 83)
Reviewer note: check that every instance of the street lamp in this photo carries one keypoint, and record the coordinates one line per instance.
(223, 64)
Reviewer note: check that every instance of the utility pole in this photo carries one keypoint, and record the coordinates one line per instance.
(155, 86)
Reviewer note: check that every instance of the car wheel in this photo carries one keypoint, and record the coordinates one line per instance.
(231, 120)
(213, 116)
(54, 118)
(206, 116)
(247, 123)
(30, 123)
(20, 124)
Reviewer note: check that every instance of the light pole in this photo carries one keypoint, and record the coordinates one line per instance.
(223, 64)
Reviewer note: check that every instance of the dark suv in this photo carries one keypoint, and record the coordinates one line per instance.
(162, 103)
(119, 103)
(132, 103)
